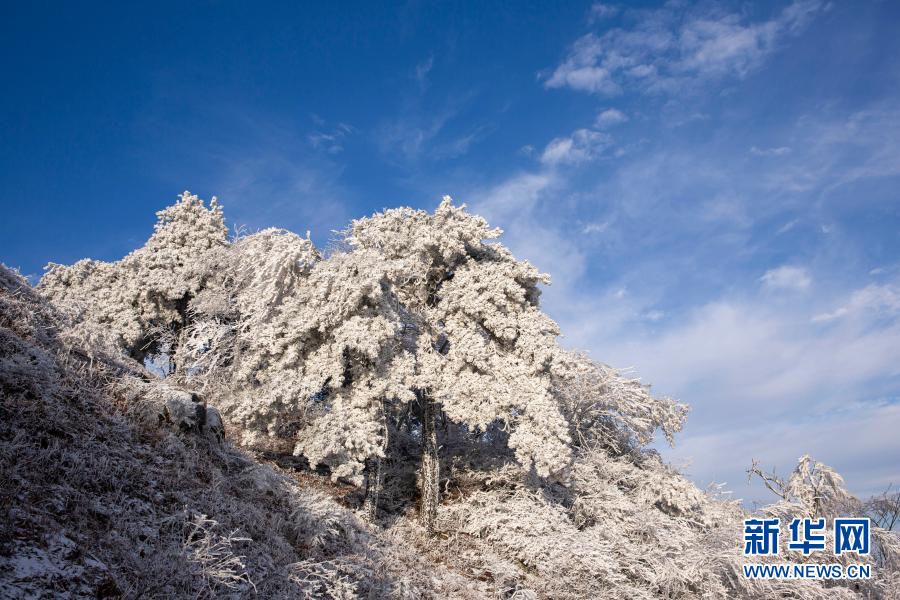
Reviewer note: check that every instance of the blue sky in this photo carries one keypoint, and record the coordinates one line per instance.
(713, 187)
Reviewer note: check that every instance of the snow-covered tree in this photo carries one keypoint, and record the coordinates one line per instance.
(317, 354)
(416, 318)
(144, 298)
(815, 490)
(482, 349)
(420, 311)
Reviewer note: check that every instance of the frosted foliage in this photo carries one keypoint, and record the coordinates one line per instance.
(321, 351)
(268, 266)
(323, 354)
(486, 349)
(630, 526)
(418, 304)
(607, 408)
(815, 490)
(144, 290)
(432, 244)
(819, 488)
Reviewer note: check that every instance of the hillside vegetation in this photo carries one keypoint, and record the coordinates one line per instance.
(393, 418)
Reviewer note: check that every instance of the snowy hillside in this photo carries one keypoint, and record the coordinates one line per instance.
(256, 417)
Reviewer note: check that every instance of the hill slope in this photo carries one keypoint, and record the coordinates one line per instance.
(111, 487)
(116, 483)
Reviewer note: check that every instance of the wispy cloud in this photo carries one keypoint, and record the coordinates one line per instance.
(579, 147)
(425, 129)
(610, 117)
(519, 204)
(600, 11)
(786, 277)
(332, 140)
(752, 372)
(407, 137)
(422, 71)
(689, 294)
(591, 228)
(848, 441)
(872, 301)
(768, 359)
(787, 226)
(833, 150)
(779, 151)
(676, 47)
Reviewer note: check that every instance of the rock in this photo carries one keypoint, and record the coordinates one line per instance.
(159, 404)
(215, 428)
(182, 411)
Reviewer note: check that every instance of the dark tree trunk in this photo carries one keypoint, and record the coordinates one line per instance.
(431, 467)
(374, 479)
(374, 473)
(178, 329)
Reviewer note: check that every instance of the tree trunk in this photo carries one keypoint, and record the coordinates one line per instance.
(431, 467)
(178, 330)
(374, 478)
(375, 474)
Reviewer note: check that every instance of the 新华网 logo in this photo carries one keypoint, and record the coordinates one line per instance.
(849, 535)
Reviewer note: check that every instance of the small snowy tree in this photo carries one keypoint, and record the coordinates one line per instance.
(815, 490)
(144, 298)
(609, 410)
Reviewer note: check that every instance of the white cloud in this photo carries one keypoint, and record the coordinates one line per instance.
(832, 151)
(330, 141)
(513, 197)
(423, 69)
(740, 363)
(408, 136)
(583, 145)
(518, 203)
(582, 70)
(787, 226)
(872, 301)
(676, 46)
(786, 278)
(610, 117)
(418, 132)
(726, 208)
(835, 440)
(742, 360)
(591, 228)
(600, 11)
(779, 151)
(687, 230)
